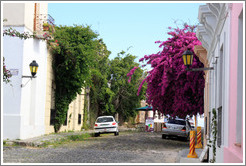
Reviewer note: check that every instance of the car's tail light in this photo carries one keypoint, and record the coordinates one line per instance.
(183, 129)
(164, 126)
(95, 125)
(113, 123)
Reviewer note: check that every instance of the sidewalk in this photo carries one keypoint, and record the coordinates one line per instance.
(41, 140)
(184, 159)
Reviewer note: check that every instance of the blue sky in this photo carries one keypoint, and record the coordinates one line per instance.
(124, 25)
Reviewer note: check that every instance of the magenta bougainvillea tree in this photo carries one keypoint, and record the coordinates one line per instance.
(170, 88)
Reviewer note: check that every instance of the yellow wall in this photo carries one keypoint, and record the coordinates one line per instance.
(75, 108)
(202, 54)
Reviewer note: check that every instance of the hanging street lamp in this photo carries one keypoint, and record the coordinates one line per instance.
(188, 60)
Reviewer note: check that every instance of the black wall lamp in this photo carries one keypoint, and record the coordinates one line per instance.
(33, 68)
(188, 60)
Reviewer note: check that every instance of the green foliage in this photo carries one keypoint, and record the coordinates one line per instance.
(14, 33)
(101, 95)
(73, 58)
(46, 24)
(125, 98)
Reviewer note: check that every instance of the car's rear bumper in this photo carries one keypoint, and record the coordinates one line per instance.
(106, 130)
(175, 133)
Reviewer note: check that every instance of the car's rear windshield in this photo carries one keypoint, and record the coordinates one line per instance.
(106, 119)
(174, 121)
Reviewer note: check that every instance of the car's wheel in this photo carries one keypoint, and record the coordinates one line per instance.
(163, 136)
(97, 134)
(116, 133)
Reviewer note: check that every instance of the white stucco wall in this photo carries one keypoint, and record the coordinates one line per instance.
(24, 107)
(13, 52)
(34, 105)
(224, 43)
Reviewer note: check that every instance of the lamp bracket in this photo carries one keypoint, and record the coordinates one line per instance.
(199, 69)
(31, 77)
(28, 77)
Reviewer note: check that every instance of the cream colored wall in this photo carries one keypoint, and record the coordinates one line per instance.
(48, 104)
(22, 14)
(202, 54)
(43, 8)
(14, 13)
(141, 114)
(29, 16)
(76, 107)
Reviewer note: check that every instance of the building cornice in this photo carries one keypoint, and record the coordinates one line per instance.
(212, 17)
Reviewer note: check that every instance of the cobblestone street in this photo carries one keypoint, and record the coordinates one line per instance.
(128, 147)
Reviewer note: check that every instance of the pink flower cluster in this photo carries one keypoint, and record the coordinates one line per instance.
(6, 73)
(131, 73)
(14, 33)
(170, 88)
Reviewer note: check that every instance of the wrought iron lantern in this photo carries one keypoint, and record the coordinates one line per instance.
(33, 68)
(187, 58)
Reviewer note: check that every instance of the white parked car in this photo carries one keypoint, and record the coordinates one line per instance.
(106, 124)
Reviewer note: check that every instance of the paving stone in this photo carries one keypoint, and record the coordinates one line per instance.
(127, 147)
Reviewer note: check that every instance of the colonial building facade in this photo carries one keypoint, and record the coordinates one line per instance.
(28, 103)
(221, 34)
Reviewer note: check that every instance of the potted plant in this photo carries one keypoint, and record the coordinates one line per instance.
(45, 26)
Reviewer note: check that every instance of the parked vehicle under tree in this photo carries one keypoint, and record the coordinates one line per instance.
(176, 127)
(106, 124)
